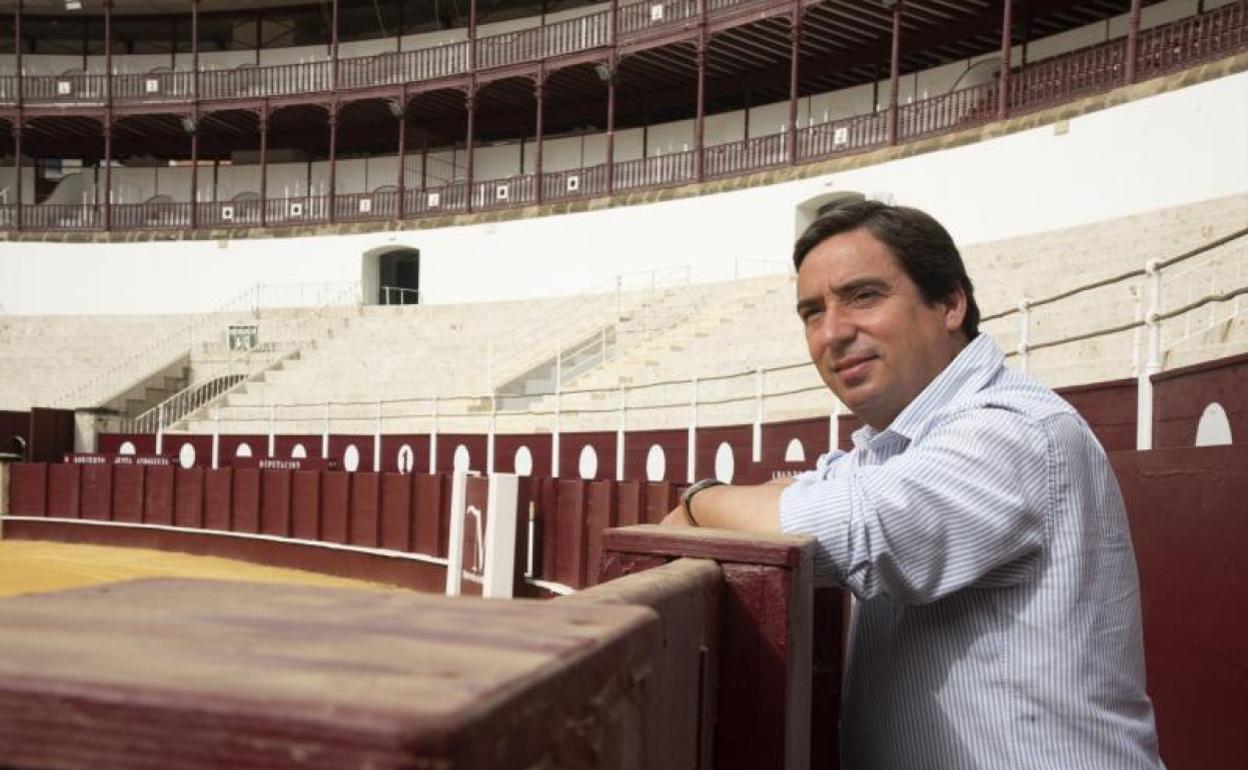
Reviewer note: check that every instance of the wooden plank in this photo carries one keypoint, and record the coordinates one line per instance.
(396, 514)
(134, 675)
(572, 542)
(305, 505)
(275, 502)
(335, 502)
(97, 492)
(63, 481)
(188, 497)
(601, 516)
(364, 515)
(245, 511)
(430, 496)
(718, 544)
(158, 494)
(28, 489)
(218, 491)
(659, 499)
(128, 481)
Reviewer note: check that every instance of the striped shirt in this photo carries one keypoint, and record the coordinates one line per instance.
(996, 620)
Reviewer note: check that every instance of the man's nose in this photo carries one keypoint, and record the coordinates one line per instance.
(837, 328)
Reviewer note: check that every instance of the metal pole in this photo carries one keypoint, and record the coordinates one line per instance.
(160, 429)
(264, 160)
(333, 48)
(619, 434)
(377, 440)
(894, 77)
(216, 440)
(333, 161)
(489, 436)
(108, 170)
(1007, 38)
(433, 439)
(471, 104)
(325, 435)
(17, 121)
(1133, 41)
(402, 185)
(613, 63)
(195, 51)
(538, 94)
(1152, 366)
(795, 49)
(834, 427)
(195, 168)
(699, 124)
(756, 451)
(691, 453)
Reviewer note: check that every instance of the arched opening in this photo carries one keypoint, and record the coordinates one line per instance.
(392, 276)
(819, 205)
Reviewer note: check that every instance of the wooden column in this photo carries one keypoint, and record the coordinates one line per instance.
(472, 35)
(195, 50)
(894, 77)
(613, 65)
(264, 163)
(17, 120)
(539, 86)
(1007, 39)
(795, 49)
(195, 168)
(332, 192)
(333, 52)
(108, 114)
(400, 207)
(1133, 41)
(470, 102)
(699, 123)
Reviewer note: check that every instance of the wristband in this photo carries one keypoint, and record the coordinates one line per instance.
(686, 499)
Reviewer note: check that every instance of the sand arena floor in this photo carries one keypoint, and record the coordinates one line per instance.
(34, 567)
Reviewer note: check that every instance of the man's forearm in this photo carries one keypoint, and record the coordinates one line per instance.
(745, 508)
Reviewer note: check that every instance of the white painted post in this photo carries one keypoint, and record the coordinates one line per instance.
(216, 440)
(160, 428)
(500, 537)
(377, 440)
(433, 439)
(834, 427)
(756, 445)
(619, 434)
(554, 437)
(489, 436)
(691, 453)
(325, 435)
(455, 546)
(272, 430)
(1024, 332)
(1144, 385)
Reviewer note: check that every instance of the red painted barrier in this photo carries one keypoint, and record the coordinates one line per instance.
(659, 501)
(571, 542)
(158, 494)
(546, 505)
(365, 498)
(628, 503)
(188, 497)
(335, 499)
(28, 489)
(601, 514)
(96, 487)
(430, 497)
(63, 480)
(245, 513)
(218, 497)
(396, 511)
(128, 483)
(305, 505)
(275, 502)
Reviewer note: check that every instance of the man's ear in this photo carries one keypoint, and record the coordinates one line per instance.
(954, 306)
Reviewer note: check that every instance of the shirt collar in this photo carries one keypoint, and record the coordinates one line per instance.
(969, 371)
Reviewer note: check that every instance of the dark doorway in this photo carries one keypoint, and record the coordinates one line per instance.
(398, 278)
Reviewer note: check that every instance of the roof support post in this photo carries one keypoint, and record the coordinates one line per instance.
(539, 87)
(894, 76)
(1133, 40)
(472, 36)
(795, 46)
(699, 124)
(1007, 39)
(400, 207)
(613, 63)
(17, 120)
(470, 102)
(195, 50)
(264, 164)
(195, 167)
(332, 192)
(333, 48)
(108, 170)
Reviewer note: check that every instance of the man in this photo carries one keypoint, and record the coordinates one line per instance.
(996, 621)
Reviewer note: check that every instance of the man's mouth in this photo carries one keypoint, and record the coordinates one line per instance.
(853, 367)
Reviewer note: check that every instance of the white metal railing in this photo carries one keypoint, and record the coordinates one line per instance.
(399, 295)
(753, 392)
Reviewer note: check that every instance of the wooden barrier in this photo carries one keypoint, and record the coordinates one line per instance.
(245, 494)
(158, 494)
(96, 495)
(275, 502)
(188, 497)
(127, 484)
(63, 481)
(396, 511)
(218, 497)
(763, 641)
(305, 505)
(335, 502)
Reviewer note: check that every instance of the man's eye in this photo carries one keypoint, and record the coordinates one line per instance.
(865, 295)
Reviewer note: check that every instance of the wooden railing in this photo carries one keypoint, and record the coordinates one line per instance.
(1218, 32)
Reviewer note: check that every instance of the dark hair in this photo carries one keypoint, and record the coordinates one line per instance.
(921, 245)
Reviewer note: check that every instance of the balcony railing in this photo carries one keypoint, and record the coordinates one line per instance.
(1060, 79)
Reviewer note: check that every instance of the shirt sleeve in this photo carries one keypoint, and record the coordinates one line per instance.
(965, 504)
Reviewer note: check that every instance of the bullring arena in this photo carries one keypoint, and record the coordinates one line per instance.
(350, 352)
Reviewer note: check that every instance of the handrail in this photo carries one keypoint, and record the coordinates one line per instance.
(1041, 84)
(750, 394)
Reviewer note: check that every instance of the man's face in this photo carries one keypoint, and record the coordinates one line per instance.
(874, 339)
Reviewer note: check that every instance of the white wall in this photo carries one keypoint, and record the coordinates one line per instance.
(1180, 147)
